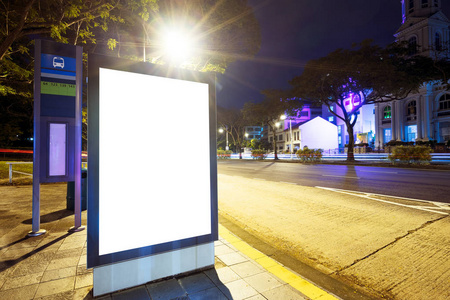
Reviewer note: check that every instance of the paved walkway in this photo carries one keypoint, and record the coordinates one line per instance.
(53, 265)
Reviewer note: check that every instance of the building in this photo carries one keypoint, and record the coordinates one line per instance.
(317, 133)
(253, 132)
(425, 115)
(364, 129)
(282, 130)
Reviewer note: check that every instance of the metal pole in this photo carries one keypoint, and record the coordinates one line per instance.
(226, 129)
(10, 173)
(290, 127)
(36, 206)
(77, 152)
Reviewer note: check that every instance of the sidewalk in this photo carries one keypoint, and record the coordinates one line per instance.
(53, 265)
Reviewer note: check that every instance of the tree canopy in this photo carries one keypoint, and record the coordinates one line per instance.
(224, 31)
(350, 78)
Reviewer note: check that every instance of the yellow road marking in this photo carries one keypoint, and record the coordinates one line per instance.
(293, 279)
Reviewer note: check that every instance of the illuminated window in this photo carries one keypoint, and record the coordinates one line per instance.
(411, 6)
(387, 135)
(330, 119)
(424, 3)
(444, 102)
(412, 46)
(411, 133)
(437, 41)
(387, 112)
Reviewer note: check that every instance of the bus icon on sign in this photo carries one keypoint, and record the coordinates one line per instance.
(58, 62)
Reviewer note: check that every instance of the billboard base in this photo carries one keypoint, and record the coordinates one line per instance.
(130, 273)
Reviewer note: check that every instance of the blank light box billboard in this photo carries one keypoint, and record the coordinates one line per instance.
(152, 173)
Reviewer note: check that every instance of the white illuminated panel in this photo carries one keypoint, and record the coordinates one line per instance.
(154, 160)
(57, 149)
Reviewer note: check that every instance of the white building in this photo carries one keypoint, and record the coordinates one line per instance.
(317, 133)
(426, 115)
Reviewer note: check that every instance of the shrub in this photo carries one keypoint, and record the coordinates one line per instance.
(410, 154)
(224, 154)
(307, 154)
(259, 154)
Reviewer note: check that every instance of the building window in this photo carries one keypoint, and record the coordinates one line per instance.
(424, 3)
(411, 110)
(411, 133)
(330, 119)
(437, 41)
(387, 136)
(436, 3)
(411, 6)
(387, 112)
(412, 46)
(281, 137)
(444, 102)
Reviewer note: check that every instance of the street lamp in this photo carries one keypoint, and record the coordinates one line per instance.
(283, 117)
(175, 42)
(226, 130)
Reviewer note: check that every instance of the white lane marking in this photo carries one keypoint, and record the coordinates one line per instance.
(368, 196)
(342, 176)
(386, 172)
(288, 182)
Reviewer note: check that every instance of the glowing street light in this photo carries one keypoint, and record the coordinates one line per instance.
(283, 117)
(226, 130)
(177, 45)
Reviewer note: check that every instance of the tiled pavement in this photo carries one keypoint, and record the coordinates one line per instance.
(53, 265)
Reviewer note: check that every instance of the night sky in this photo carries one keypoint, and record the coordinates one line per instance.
(296, 31)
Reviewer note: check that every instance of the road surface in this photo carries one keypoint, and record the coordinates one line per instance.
(424, 184)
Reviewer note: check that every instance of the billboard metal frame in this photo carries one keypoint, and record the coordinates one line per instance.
(96, 62)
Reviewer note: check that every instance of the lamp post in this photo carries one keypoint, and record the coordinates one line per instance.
(283, 117)
(226, 134)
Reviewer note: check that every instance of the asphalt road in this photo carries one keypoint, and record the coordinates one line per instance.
(422, 184)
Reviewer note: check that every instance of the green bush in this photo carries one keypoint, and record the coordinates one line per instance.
(411, 154)
(259, 154)
(224, 154)
(307, 155)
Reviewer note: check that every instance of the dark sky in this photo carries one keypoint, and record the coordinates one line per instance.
(296, 31)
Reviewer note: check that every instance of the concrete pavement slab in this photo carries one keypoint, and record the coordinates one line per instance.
(53, 266)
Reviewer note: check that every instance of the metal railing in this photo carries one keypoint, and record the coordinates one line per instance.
(11, 171)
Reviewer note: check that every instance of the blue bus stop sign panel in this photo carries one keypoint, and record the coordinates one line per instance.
(57, 62)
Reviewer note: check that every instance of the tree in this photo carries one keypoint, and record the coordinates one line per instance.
(364, 74)
(268, 111)
(227, 31)
(232, 122)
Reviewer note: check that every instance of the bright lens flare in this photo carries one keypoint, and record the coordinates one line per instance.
(177, 45)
